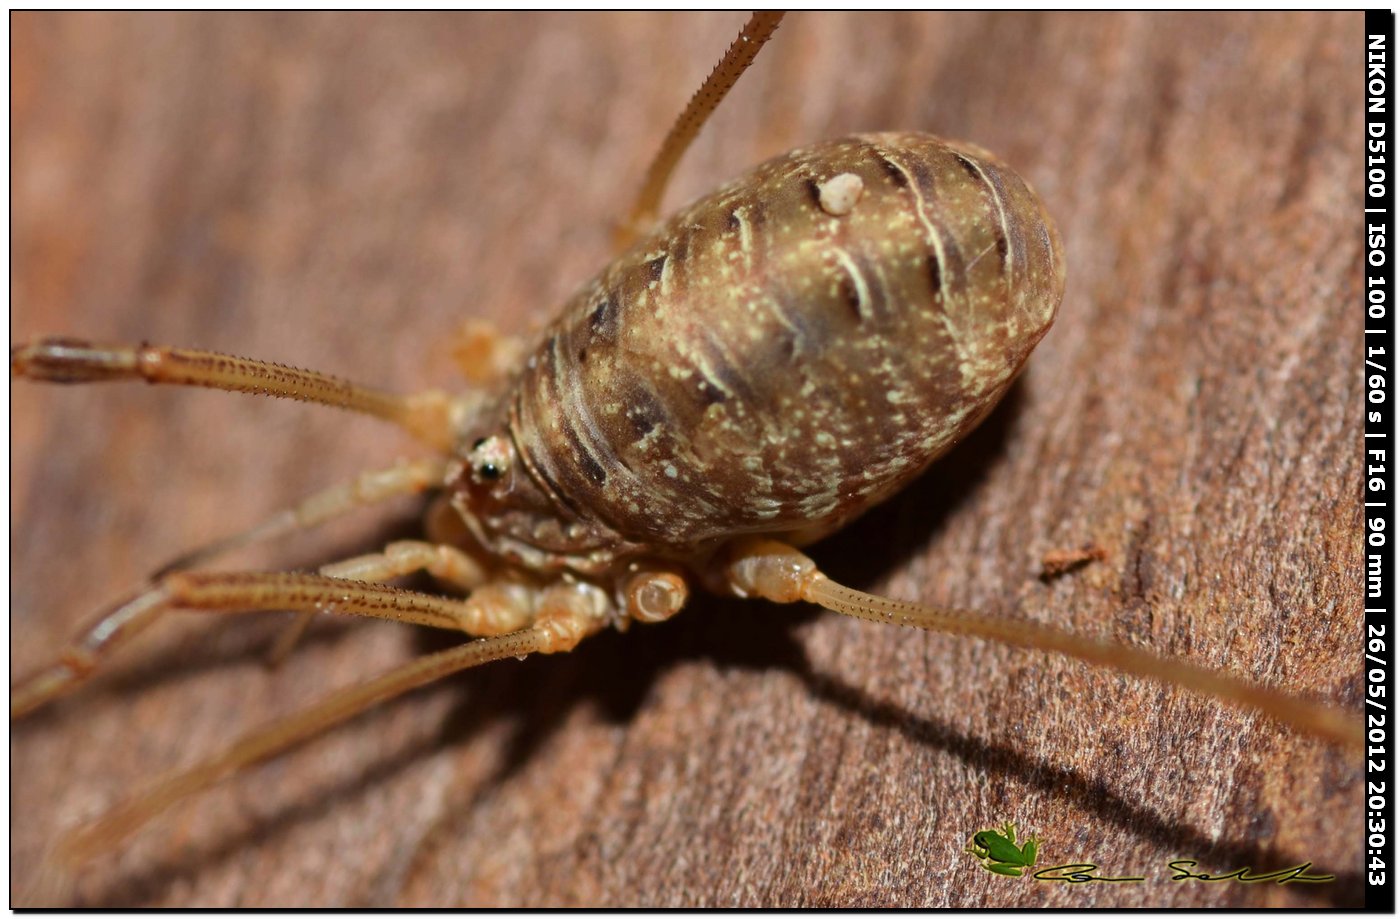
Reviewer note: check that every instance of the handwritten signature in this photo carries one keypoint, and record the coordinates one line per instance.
(1282, 876)
(1079, 874)
(1085, 873)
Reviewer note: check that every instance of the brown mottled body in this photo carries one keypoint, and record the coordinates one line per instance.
(760, 365)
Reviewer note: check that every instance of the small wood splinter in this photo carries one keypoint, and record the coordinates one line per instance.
(1062, 561)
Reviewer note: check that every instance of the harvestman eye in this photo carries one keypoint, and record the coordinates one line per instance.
(490, 458)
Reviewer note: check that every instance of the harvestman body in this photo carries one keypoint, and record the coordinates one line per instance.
(746, 378)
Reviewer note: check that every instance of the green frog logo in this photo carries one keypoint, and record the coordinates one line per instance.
(999, 854)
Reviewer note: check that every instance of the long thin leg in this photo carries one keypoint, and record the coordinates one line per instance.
(253, 592)
(495, 608)
(426, 415)
(406, 477)
(565, 617)
(707, 98)
(446, 563)
(778, 572)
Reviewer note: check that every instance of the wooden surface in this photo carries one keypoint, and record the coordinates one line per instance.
(338, 191)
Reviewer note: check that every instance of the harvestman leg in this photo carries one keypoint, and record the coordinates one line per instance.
(211, 592)
(406, 477)
(446, 563)
(426, 415)
(780, 573)
(485, 356)
(341, 587)
(494, 607)
(124, 622)
(736, 60)
(562, 615)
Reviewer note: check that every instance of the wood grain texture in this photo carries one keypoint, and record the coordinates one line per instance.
(338, 191)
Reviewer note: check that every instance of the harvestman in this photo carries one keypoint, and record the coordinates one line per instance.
(746, 378)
